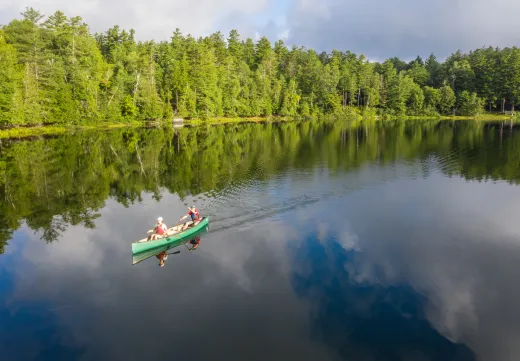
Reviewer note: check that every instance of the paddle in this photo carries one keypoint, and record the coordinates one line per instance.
(182, 217)
(176, 224)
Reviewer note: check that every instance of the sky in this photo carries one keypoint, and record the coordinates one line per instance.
(377, 28)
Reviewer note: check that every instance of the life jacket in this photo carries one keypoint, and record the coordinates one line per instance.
(195, 215)
(159, 229)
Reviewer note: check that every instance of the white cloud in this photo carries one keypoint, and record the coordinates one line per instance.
(377, 28)
(405, 28)
(152, 19)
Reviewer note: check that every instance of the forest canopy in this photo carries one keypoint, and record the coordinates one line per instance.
(54, 71)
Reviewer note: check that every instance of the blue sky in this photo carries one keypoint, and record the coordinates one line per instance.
(376, 28)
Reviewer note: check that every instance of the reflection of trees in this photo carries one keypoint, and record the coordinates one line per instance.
(365, 321)
(51, 183)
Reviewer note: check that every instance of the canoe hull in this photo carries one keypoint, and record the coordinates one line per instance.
(141, 256)
(138, 247)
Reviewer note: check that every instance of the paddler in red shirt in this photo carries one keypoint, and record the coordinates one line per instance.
(195, 217)
(159, 229)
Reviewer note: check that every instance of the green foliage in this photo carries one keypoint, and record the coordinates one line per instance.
(435, 71)
(9, 83)
(447, 100)
(460, 74)
(432, 99)
(55, 71)
(290, 100)
(418, 73)
(128, 108)
(415, 102)
(469, 104)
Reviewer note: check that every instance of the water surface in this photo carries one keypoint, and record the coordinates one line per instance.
(327, 241)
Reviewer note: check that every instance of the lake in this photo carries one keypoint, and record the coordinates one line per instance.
(328, 240)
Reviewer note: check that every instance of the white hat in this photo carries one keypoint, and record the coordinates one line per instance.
(160, 219)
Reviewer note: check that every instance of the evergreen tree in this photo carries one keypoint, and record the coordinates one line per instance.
(290, 100)
(435, 71)
(9, 84)
(55, 71)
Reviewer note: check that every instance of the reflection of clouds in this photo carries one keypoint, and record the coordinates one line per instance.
(453, 305)
(368, 321)
(454, 242)
(13, 246)
(233, 257)
(231, 295)
(446, 245)
(76, 249)
(323, 231)
(348, 241)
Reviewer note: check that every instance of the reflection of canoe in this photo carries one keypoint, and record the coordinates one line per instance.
(173, 234)
(141, 256)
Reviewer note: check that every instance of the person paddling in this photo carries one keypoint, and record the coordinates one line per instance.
(159, 229)
(195, 217)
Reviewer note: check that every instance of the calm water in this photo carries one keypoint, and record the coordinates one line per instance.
(327, 241)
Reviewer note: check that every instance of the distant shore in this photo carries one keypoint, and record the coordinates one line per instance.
(25, 132)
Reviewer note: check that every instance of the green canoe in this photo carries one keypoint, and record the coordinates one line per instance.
(144, 245)
(141, 256)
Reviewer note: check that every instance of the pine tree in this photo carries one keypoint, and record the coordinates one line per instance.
(147, 99)
(290, 100)
(234, 46)
(9, 82)
(435, 71)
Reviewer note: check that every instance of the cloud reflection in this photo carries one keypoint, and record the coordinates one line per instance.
(364, 273)
(435, 267)
(231, 297)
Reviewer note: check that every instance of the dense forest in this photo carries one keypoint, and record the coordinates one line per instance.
(55, 71)
(49, 184)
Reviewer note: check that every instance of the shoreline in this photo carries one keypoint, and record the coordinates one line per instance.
(27, 132)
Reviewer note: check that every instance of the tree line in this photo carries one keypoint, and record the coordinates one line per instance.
(55, 71)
